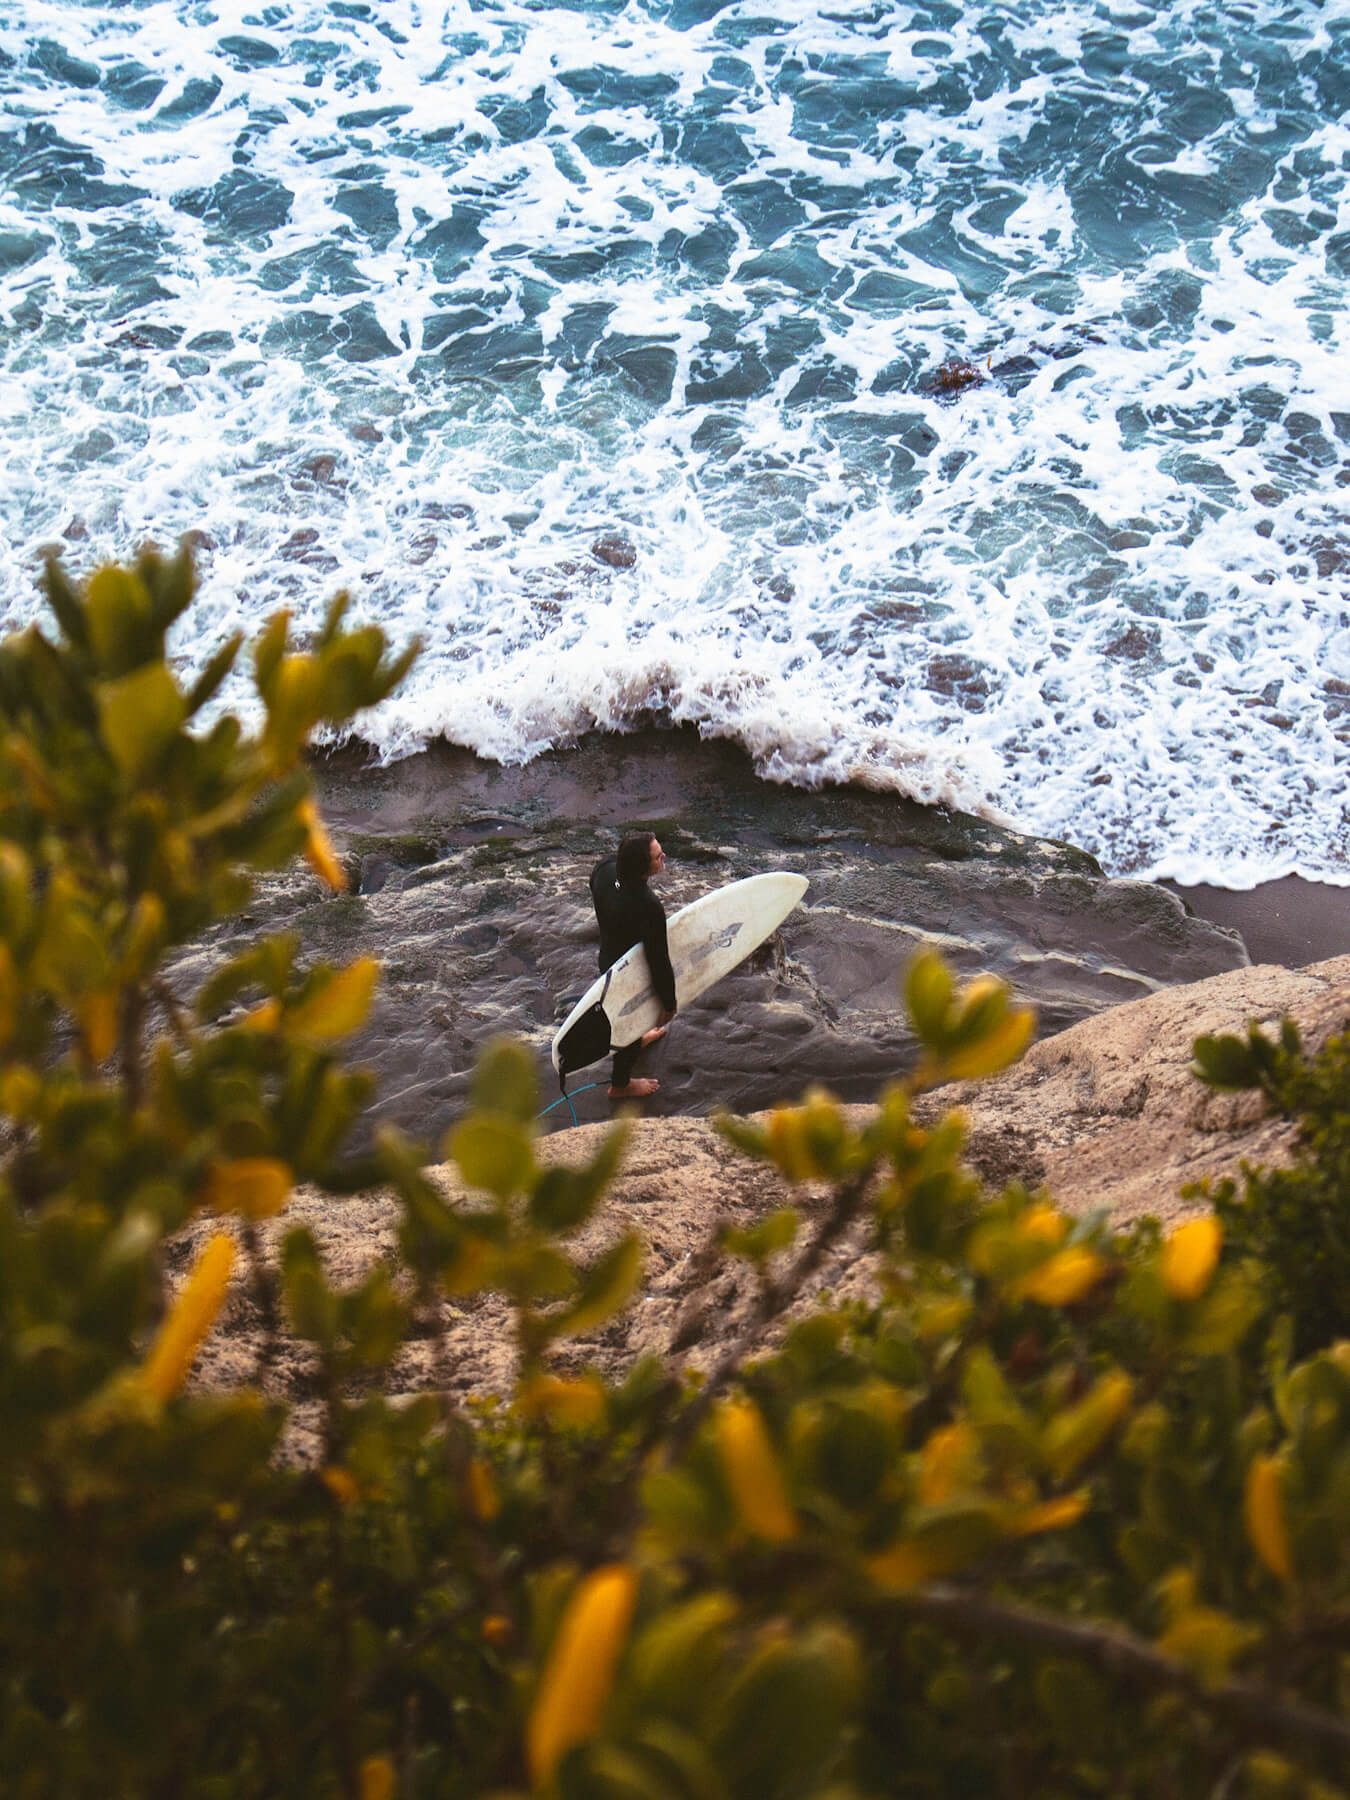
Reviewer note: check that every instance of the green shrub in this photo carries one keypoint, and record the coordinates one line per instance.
(1055, 1515)
(1295, 1220)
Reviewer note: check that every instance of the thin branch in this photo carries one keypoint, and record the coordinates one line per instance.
(266, 1293)
(773, 1298)
(1255, 1713)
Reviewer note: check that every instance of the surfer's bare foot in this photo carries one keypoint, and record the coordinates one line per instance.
(653, 1036)
(636, 1090)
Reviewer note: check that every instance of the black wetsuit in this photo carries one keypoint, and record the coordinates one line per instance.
(629, 913)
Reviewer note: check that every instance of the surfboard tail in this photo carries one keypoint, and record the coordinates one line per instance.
(587, 1042)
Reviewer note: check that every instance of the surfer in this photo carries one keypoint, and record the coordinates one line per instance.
(629, 913)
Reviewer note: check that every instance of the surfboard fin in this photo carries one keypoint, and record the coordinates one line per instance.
(587, 1042)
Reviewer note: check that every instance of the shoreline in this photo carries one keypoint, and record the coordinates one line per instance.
(1292, 921)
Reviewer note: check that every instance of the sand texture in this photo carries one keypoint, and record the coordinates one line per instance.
(1105, 1113)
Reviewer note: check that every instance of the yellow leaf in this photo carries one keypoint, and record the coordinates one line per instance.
(139, 717)
(319, 852)
(786, 1143)
(939, 1318)
(906, 1564)
(1208, 1640)
(996, 1050)
(20, 1091)
(341, 1005)
(563, 1399)
(470, 1268)
(1189, 1257)
(264, 1017)
(1063, 1279)
(949, 1463)
(192, 1316)
(97, 1014)
(1263, 1514)
(256, 1186)
(579, 1675)
(1049, 1515)
(1072, 1436)
(483, 1495)
(340, 1484)
(1043, 1225)
(146, 929)
(752, 1473)
(377, 1778)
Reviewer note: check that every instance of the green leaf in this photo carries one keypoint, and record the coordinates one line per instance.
(678, 1657)
(743, 1134)
(605, 1288)
(65, 603)
(266, 965)
(170, 585)
(1222, 1319)
(117, 608)
(851, 1452)
(561, 1200)
(928, 997)
(601, 1771)
(268, 652)
(494, 1153)
(784, 1717)
(504, 1081)
(376, 1320)
(217, 668)
(1075, 1704)
(338, 1007)
(310, 1302)
(757, 1243)
(1225, 1062)
(139, 717)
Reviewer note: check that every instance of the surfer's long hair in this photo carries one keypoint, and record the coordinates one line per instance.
(634, 861)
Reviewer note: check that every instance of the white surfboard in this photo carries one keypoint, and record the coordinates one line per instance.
(707, 939)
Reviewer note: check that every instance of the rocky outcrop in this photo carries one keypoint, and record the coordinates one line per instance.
(1103, 1114)
(1109, 1112)
(470, 886)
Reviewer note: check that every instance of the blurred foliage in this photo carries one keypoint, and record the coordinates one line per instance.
(1060, 1510)
(1294, 1220)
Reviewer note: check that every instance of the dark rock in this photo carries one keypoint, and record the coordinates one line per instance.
(955, 377)
(617, 552)
(472, 891)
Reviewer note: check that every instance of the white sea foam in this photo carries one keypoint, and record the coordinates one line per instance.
(428, 300)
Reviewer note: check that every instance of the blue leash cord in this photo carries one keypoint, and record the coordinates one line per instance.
(568, 1098)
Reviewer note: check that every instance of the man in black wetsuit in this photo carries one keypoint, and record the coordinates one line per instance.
(629, 913)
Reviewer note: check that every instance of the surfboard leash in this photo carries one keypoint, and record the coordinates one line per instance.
(568, 1098)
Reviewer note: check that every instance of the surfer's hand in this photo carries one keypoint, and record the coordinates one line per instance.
(667, 1014)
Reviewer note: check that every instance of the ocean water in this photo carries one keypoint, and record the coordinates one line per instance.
(599, 344)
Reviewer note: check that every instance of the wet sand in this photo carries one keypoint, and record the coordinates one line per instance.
(1292, 921)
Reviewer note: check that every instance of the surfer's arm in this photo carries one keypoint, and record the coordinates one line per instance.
(658, 959)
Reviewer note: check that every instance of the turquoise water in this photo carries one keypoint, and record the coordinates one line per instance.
(430, 301)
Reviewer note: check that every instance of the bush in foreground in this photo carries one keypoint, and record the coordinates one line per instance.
(1057, 1514)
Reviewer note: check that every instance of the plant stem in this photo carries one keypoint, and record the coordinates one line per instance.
(1254, 1713)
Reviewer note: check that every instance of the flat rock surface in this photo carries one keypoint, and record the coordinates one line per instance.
(1103, 1114)
(470, 886)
